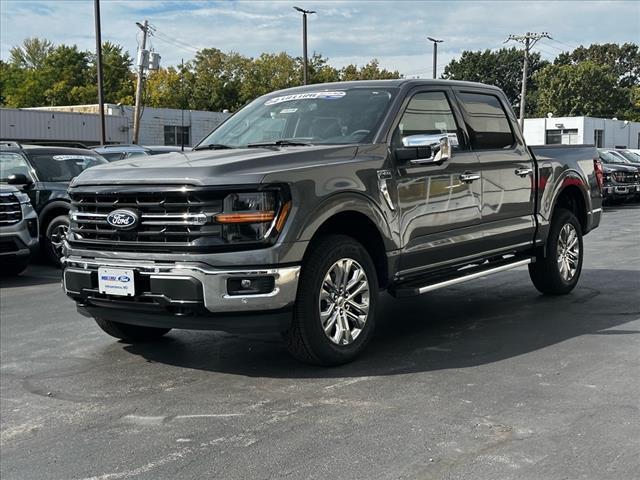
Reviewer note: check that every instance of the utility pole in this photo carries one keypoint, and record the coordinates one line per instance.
(435, 54)
(182, 104)
(528, 40)
(143, 56)
(304, 42)
(96, 5)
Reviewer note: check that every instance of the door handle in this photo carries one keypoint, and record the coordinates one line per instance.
(469, 177)
(523, 172)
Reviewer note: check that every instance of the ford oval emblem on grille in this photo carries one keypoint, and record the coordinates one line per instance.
(123, 219)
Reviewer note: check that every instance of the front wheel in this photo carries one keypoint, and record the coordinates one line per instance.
(558, 272)
(334, 315)
(56, 232)
(131, 333)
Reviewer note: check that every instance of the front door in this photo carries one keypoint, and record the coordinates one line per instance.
(439, 203)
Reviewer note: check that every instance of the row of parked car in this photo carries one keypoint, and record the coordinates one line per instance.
(621, 170)
(34, 203)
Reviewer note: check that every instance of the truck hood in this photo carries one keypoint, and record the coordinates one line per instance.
(617, 167)
(214, 167)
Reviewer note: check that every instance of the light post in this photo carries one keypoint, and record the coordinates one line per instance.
(304, 40)
(435, 53)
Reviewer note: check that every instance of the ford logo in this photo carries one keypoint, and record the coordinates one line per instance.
(123, 219)
(124, 278)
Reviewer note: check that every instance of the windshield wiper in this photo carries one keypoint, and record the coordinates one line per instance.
(280, 143)
(213, 146)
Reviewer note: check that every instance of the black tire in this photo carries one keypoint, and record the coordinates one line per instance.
(306, 338)
(53, 238)
(545, 272)
(131, 333)
(14, 267)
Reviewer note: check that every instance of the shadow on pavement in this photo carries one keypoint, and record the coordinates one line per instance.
(485, 321)
(35, 274)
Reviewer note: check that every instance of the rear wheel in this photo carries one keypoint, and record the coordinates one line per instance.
(558, 272)
(56, 232)
(131, 333)
(334, 315)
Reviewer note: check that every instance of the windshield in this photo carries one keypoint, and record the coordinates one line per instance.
(63, 167)
(610, 157)
(315, 117)
(632, 157)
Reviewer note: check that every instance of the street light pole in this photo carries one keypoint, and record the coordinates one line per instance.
(435, 53)
(96, 6)
(305, 59)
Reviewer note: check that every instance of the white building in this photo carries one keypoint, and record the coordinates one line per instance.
(81, 123)
(601, 132)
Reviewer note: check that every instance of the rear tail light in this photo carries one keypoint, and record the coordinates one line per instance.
(597, 166)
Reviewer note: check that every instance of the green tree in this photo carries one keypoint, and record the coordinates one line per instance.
(166, 88)
(624, 60)
(370, 71)
(216, 80)
(66, 70)
(319, 69)
(582, 89)
(502, 68)
(269, 72)
(118, 81)
(31, 54)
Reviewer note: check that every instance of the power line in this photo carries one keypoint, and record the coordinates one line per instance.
(528, 40)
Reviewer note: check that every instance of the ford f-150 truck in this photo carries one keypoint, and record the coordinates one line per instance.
(299, 209)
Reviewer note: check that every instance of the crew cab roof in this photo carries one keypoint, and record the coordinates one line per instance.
(396, 83)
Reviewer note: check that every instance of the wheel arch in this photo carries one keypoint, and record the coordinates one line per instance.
(51, 211)
(359, 219)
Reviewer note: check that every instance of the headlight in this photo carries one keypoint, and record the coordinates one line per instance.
(251, 217)
(22, 198)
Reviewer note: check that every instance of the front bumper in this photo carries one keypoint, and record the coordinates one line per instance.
(20, 239)
(620, 190)
(181, 295)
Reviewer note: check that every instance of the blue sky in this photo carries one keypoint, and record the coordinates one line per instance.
(345, 31)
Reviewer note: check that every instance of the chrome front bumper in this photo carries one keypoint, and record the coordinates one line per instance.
(214, 282)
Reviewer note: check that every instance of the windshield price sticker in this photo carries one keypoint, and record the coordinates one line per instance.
(84, 158)
(306, 96)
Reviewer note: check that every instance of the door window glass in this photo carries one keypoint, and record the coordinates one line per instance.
(428, 113)
(487, 122)
(12, 164)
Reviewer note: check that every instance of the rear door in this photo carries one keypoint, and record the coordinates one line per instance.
(506, 168)
(439, 212)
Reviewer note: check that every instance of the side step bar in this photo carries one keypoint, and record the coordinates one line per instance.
(478, 272)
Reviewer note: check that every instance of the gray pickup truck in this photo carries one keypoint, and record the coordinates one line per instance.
(298, 210)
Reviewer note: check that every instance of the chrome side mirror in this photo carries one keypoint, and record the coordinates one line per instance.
(429, 148)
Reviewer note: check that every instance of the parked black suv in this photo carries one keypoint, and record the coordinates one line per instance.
(296, 211)
(44, 173)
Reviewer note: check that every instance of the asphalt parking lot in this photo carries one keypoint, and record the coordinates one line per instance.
(487, 380)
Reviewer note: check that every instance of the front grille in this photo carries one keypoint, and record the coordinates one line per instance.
(625, 177)
(10, 211)
(171, 218)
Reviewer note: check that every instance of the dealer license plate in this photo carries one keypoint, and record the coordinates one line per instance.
(116, 281)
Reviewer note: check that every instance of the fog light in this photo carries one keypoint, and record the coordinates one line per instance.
(250, 285)
(32, 226)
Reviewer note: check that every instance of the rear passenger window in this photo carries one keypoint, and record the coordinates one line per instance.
(487, 122)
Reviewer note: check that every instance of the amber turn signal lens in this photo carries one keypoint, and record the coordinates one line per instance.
(245, 217)
(283, 216)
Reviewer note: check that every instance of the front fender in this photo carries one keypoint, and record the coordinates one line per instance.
(346, 202)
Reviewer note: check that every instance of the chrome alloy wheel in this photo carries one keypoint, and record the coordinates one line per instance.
(344, 301)
(568, 252)
(58, 235)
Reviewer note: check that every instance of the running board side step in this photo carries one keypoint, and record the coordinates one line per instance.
(472, 274)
